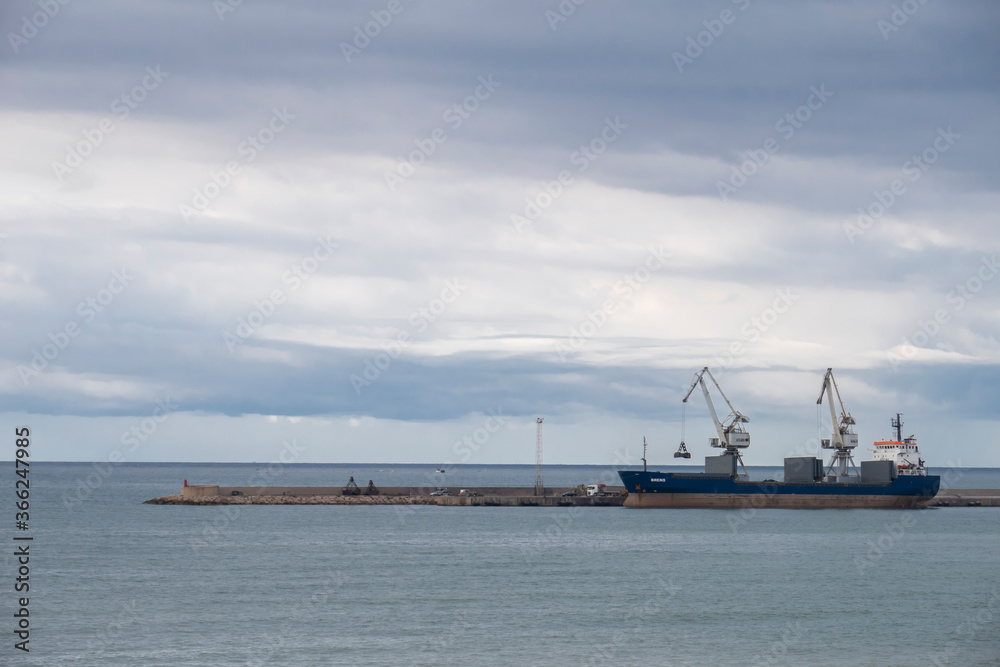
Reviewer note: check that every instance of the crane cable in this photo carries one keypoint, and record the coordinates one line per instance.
(683, 420)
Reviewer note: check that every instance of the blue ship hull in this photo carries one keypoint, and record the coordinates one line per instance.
(666, 489)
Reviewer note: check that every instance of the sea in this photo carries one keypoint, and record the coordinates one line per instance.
(114, 581)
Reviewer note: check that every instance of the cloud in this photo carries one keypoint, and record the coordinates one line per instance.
(864, 291)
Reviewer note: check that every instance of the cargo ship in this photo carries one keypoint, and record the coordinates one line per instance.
(897, 478)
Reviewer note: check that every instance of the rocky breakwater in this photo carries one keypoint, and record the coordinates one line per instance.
(352, 494)
(293, 500)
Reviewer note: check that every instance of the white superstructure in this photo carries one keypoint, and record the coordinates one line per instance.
(901, 450)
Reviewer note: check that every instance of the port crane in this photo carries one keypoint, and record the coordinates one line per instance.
(733, 437)
(844, 438)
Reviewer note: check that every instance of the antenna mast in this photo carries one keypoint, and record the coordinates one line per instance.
(539, 487)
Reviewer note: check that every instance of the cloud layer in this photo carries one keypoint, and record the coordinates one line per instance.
(271, 211)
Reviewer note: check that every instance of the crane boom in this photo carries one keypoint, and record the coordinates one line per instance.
(827, 381)
(732, 424)
(694, 383)
(736, 413)
(711, 407)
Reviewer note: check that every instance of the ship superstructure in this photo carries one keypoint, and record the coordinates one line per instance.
(901, 451)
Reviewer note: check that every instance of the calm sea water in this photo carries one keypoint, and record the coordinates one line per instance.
(116, 582)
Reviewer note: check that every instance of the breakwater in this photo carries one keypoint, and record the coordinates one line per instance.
(486, 496)
(966, 498)
(499, 496)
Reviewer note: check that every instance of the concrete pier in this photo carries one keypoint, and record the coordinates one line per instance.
(486, 496)
(445, 501)
(483, 496)
(966, 498)
(205, 491)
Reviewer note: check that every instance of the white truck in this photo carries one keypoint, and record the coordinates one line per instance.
(597, 489)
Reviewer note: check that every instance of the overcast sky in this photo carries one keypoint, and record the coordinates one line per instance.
(365, 226)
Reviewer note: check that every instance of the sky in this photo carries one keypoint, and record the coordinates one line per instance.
(400, 231)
